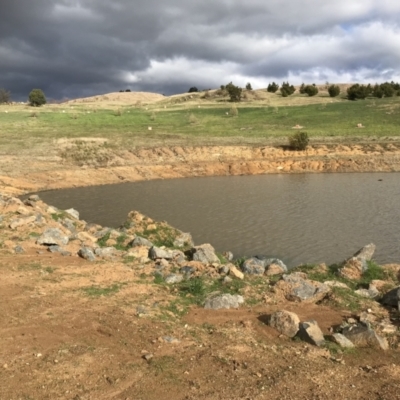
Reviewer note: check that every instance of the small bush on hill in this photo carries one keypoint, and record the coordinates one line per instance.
(298, 141)
(235, 92)
(193, 89)
(4, 96)
(287, 90)
(302, 88)
(37, 98)
(248, 86)
(311, 90)
(272, 87)
(334, 90)
(358, 91)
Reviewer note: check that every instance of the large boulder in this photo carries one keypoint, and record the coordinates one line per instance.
(141, 241)
(285, 322)
(183, 240)
(204, 253)
(53, 236)
(342, 341)
(274, 266)
(355, 266)
(361, 335)
(87, 254)
(15, 223)
(296, 287)
(224, 301)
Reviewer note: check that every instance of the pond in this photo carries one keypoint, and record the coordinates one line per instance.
(300, 218)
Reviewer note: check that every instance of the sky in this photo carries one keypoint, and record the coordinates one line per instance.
(77, 48)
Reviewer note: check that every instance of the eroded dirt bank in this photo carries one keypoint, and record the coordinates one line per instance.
(95, 164)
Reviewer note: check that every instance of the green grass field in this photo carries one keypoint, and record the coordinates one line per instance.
(191, 124)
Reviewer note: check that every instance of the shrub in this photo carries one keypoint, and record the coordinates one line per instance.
(4, 96)
(287, 90)
(193, 89)
(302, 88)
(384, 90)
(37, 98)
(334, 90)
(235, 92)
(127, 90)
(358, 91)
(298, 141)
(248, 86)
(311, 90)
(272, 87)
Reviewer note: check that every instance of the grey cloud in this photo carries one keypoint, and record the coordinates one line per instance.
(74, 48)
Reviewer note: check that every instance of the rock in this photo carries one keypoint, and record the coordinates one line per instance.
(183, 240)
(224, 301)
(336, 284)
(342, 341)
(85, 236)
(102, 232)
(173, 278)
(73, 213)
(187, 270)
(19, 250)
(140, 241)
(156, 252)
(274, 263)
(310, 332)
(87, 254)
(52, 210)
(204, 253)
(285, 322)
(369, 293)
(392, 298)
(227, 279)
(34, 197)
(15, 223)
(228, 255)
(362, 336)
(296, 287)
(224, 269)
(274, 269)
(355, 266)
(66, 222)
(235, 272)
(23, 211)
(54, 249)
(106, 252)
(53, 236)
(253, 266)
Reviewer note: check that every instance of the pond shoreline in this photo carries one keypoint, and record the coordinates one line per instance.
(22, 174)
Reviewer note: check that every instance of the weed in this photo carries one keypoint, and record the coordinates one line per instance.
(129, 259)
(29, 267)
(373, 272)
(34, 234)
(121, 243)
(195, 287)
(158, 279)
(102, 242)
(298, 141)
(97, 291)
(59, 215)
(49, 270)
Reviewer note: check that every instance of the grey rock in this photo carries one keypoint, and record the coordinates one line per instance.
(19, 249)
(156, 252)
(173, 278)
(40, 220)
(228, 255)
(102, 232)
(106, 252)
(310, 332)
(392, 298)
(342, 341)
(285, 322)
(275, 261)
(170, 339)
(184, 239)
(69, 224)
(253, 266)
(187, 270)
(227, 279)
(204, 253)
(15, 223)
(301, 289)
(361, 335)
(30, 203)
(369, 293)
(87, 254)
(53, 236)
(140, 241)
(73, 213)
(359, 261)
(366, 252)
(34, 197)
(224, 269)
(55, 249)
(224, 301)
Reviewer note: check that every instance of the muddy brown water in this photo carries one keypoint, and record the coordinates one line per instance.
(300, 218)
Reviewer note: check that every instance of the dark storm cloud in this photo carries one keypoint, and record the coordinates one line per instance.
(73, 48)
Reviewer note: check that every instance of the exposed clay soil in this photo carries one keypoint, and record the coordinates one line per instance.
(22, 173)
(59, 343)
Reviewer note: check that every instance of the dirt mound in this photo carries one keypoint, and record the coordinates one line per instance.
(121, 98)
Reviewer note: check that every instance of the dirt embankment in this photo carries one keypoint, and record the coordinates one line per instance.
(94, 163)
